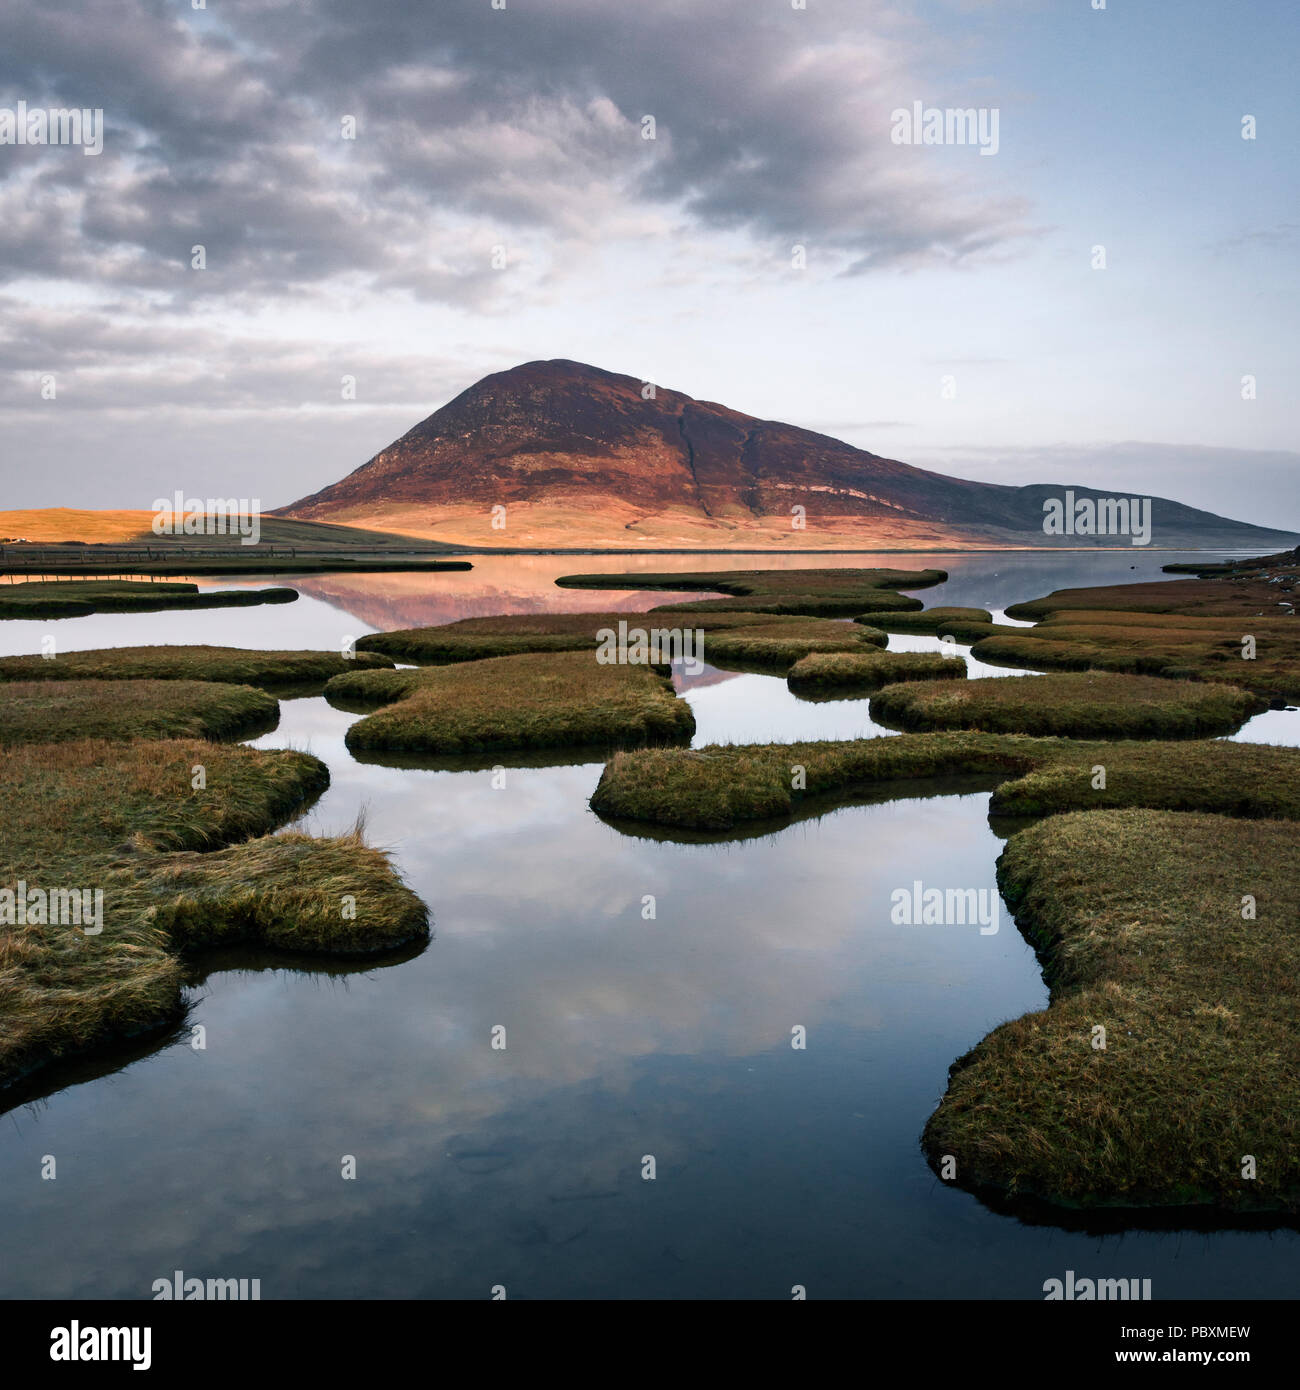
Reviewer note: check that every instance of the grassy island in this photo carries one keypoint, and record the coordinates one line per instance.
(56, 711)
(830, 673)
(724, 787)
(174, 866)
(1187, 960)
(238, 665)
(817, 592)
(77, 598)
(1087, 704)
(536, 700)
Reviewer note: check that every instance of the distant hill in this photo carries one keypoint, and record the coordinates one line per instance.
(578, 456)
(63, 525)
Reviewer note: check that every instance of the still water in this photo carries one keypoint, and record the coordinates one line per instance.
(626, 1037)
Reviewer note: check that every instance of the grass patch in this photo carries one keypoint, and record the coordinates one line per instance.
(536, 700)
(828, 673)
(126, 819)
(361, 691)
(824, 592)
(721, 788)
(1083, 705)
(1191, 629)
(741, 639)
(55, 711)
(1137, 919)
(471, 639)
(77, 598)
(1204, 653)
(777, 646)
(237, 665)
(287, 892)
(1223, 597)
(965, 624)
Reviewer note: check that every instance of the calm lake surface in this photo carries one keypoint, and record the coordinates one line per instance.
(625, 1037)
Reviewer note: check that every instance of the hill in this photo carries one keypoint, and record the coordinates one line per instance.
(579, 456)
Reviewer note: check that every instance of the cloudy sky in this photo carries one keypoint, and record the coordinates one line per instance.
(499, 202)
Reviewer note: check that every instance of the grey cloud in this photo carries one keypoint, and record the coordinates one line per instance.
(225, 132)
(128, 364)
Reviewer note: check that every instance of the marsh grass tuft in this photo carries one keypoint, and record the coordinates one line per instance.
(237, 665)
(472, 639)
(776, 646)
(829, 672)
(536, 700)
(965, 624)
(1239, 627)
(77, 598)
(54, 711)
(818, 592)
(177, 866)
(722, 787)
(1137, 919)
(1088, 704)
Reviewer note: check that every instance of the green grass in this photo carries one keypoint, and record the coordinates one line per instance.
(536, 700)
(1070, 705)
(1134, 904)
(55, 711)
(125, 818)
(820, 592)
(829, 673)
(77, 598)
(237, 665)
(724, 788)
(1137, 918)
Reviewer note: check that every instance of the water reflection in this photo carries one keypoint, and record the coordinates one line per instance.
(628, 1033)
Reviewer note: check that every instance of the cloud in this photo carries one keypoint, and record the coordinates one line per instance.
(472, 125)
(128, 360)
(484, 138)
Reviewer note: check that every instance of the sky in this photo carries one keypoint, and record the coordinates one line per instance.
(409, 194)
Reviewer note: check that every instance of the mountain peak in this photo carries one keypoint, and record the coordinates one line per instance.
(555, 452)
